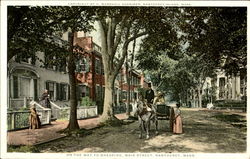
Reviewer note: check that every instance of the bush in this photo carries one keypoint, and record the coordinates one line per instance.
(29, 149)
(230, 103)
(86, 101)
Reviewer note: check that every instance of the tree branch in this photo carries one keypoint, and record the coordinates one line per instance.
(119, 35)
(109, 35)
(124, 53)
(103, 34)
(135, 37)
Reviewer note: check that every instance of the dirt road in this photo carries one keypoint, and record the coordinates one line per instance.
(204, 132)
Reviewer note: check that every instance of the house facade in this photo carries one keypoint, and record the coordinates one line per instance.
(90, 75)
(28, 78)
(221, 87)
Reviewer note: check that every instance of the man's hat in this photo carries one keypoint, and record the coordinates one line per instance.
(159, 93)
(32, 106)
(149, 84)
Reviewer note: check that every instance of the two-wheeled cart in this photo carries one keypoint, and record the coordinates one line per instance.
(163, 111)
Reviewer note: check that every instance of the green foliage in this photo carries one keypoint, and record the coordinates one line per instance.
(200, 41)
(32, 29)
(26, 149)
(230, 118)
(142, 92)
(112, 123)
(230, 103)
(86, 101)
(218, 35)
(23, 109)
(64, 114)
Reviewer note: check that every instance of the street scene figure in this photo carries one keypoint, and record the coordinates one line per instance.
(159, 99)
(177, 124)
(34, 119)
(45, 99)
(149, 96)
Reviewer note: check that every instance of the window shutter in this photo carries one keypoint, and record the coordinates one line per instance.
(15, 86)
(18, 58)
(77, 66)
(35, 90)
(47, 85)
(58, 91)
(68, 92)
(87, 64)
(78, 93)
(33, 59)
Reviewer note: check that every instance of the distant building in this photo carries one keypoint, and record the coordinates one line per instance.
(221, 87)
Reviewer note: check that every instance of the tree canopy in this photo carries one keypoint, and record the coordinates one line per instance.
(204, 40)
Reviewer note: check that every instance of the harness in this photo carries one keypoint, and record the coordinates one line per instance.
(145, 109)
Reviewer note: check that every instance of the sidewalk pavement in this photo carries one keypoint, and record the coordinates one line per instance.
(48, 132)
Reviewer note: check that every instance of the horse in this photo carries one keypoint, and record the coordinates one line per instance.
(145, 115)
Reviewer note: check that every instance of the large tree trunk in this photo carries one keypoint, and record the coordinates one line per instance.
(108, 113)
(129, 76)
(73, 124)
(110, 40)
(128, 93)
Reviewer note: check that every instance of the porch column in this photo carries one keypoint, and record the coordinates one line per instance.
(233, 87)
(237, 86)
(118, 96)
(218, 87)
(32, 89)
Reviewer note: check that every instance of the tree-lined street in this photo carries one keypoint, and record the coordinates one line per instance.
(195, 56)
(204, 131)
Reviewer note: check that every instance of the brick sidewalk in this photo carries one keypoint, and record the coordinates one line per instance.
(48, 132)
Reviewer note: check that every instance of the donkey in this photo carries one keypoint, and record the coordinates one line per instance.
(146, 115)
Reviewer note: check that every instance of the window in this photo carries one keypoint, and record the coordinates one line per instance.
(221, 87)
(24, 87)
(135, 96)
(120, 95)
(50, 87)
(83, 65)
(62, 65)
(124, 95)
(98, 92)
(102, 69)
(98, 69)
(63, 91)
(49, 59)
(83, 91)
(24, 84)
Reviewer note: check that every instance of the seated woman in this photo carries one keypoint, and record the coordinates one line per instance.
(159, 99)
(34, 120)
